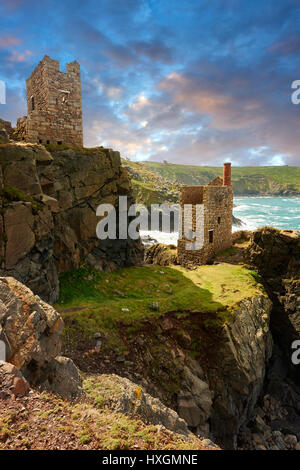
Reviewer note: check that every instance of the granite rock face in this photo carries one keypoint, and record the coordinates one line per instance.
(48, 213)
(194, 400)
(275, 254)
(238, 367)
(219, 392)
(31, 330)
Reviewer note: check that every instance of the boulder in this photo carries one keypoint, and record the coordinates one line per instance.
(19, 166)
(62, 378)
(12, 381)
(31, 330)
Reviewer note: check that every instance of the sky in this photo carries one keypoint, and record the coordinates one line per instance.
(187, 81)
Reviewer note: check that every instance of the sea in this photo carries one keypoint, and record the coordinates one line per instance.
(254, 212)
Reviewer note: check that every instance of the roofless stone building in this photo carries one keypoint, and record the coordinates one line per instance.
(208, 221)
(53, 104)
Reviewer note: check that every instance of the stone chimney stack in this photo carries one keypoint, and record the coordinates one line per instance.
(227, 174)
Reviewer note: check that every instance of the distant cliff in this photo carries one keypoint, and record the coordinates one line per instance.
(155, 182)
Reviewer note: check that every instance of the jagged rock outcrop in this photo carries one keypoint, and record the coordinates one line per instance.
(31, 330)
(237, 222)
(48, 213)
(275, 254)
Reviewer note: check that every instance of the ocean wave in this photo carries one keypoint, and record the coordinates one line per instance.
(254, 212)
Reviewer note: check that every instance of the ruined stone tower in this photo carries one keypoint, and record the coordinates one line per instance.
(53, 104)
(205, 224)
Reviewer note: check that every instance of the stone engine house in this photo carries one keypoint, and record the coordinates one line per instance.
(209, 219)
(53, 104)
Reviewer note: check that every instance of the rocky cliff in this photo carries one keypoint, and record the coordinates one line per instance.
(45, 405)
(156, 182)
(276, 256)
(198, 340)
(275, 423)
(48, 213)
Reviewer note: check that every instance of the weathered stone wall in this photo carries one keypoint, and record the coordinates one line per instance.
(48, 213)
(54, 105)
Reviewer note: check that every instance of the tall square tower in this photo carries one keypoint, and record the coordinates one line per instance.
(53, 104)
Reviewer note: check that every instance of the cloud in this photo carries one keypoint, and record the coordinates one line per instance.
(13, 4)
(140, 102)
(8, 41)
(19, 56)
(153, 50)
(288, 46)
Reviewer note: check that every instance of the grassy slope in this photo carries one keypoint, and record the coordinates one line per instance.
(44, 422)
(92, 301)
(262, 180)
(284, 175)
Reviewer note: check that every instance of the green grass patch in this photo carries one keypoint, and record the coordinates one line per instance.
(247, 181)
(279, 174)
(92, 301)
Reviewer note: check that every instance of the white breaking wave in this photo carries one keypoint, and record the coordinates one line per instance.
(171, 238)
(161, 237)
(254, 212)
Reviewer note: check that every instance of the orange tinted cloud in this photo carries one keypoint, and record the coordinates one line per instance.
(19, 56)
(8, 41)
(226, 110)
(185, 92)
